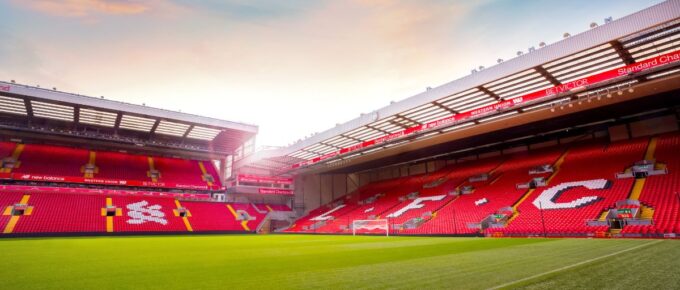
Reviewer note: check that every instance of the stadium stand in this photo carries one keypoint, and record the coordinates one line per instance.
(565, 213)
(575, 138)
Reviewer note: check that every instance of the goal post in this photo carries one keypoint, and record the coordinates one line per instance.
(371, 225)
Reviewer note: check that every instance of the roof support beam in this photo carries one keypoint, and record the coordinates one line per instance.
(29, 109)
(408, 119)
(623, 53)
(445, 108)
(153, 128)
(263, 166)
(547, 75)
(119, 117)
(278, 162)
(329, 145)
(76, 115)
(489, 93)
(398, 124)
(186, 133)
(379, 130)
(352, 138)
(625, 56)
(309, 151)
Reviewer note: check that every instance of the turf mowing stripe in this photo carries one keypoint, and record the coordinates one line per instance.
(574, 265)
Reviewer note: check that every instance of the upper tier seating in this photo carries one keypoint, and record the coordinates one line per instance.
(179, 170)
(56, 161)
(6, 149)
(116, 165)
(51, 160)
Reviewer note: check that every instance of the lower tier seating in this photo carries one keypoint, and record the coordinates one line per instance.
(48, 212)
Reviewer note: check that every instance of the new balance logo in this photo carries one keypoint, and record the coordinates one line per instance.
(140, 213)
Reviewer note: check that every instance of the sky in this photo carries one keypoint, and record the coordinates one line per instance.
(292, 67)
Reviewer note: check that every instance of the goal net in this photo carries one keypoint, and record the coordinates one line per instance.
(370, 227)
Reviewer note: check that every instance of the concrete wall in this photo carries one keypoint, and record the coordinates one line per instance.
(619, 132)
(417, 169)
(654, 126)
(312, 191)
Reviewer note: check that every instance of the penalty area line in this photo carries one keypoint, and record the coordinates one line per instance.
(574, 265)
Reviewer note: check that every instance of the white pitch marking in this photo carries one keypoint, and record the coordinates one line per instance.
(573, 265)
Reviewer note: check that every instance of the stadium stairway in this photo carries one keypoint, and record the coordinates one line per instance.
(13, 217)
(90, 169)
(183, 213)
(109, 212)
(205, 173)
(659, 198)
(239, 217)
(152, 173)
(16, 154)
(556, 167)
(499, 192)
(639, 183)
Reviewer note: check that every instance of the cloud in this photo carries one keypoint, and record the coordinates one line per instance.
(251, 9)
(84, 8)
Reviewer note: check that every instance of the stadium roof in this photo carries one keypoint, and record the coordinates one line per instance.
(641, 36)
(25, 107)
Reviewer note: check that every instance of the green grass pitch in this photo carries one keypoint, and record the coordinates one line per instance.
(336, 262)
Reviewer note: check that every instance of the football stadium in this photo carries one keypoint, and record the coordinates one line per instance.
(556, 168)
